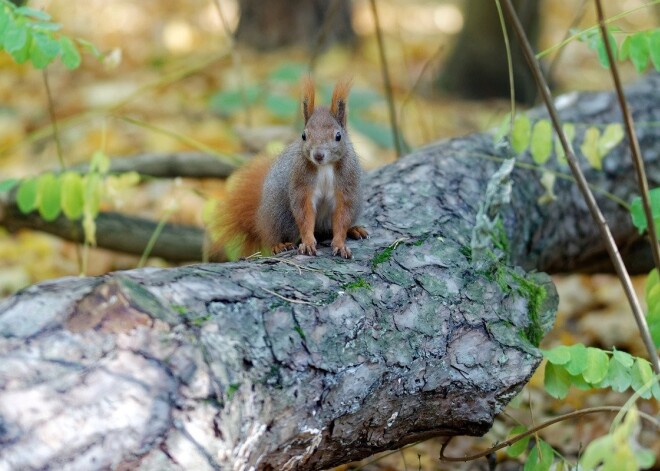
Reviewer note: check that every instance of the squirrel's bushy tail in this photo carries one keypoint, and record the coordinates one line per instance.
(234, 224)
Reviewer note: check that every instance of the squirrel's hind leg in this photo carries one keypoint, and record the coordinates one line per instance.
(357, 233)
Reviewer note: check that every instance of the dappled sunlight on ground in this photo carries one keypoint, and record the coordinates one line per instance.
(170, 82)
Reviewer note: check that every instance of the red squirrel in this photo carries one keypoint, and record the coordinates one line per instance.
(313, 189)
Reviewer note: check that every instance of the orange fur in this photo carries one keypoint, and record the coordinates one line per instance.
(308, 93)
(340, 100)
(235, 220)
(305, 216)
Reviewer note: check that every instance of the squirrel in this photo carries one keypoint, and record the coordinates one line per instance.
(313, 189)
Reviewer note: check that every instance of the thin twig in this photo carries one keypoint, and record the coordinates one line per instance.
(289, 300)
(293, 264)
(635, 152)
(53, 120)
(328, 20)
(534, 430)
(414, 89)
(574, 24)
(86, 116)
(386, 81)
(509, 61)
(612, 19)
(583, 186)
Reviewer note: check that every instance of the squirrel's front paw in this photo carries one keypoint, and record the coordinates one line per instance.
(282, 247)
(342, 250)
(307, 248)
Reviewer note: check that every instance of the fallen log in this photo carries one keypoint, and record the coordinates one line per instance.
(294, 362)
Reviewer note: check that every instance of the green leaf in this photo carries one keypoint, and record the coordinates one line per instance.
(45, 27)
(378, 133)
(558, 356)
(31, 12)
(598, 363)
(4, 21)
(602, 53)
(520, 446)
(73, 190)
(90, 47)
(598, 451)
(556, 381)
(23, 54)
(100, 162)
(579, 382)
(282, 106)
(540, 458)
(618, 375)
(92, 203)
(43, 50)
(16, 36)
(70, 55)
(589, 147)
(26, 196)
(229, 102)
(610, 138)
(637, 210)
(641, 374)
(49, 196)
(645, 458)
(639, 51)
(624, 50)
(651, 281)
(569, 132)
(548, 182)
(363, 98)
(289, 72)
(93, 192)
(578, 361)
(8, 184)
(521, 133)
(626, 359)
(654, 48)
(653, 321)
(502, 129)
(541, 143)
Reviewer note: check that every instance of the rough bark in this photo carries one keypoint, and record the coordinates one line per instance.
(299, 362)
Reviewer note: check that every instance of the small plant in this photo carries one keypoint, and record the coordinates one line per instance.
(27, 34)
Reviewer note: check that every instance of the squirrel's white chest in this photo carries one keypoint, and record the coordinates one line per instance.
(323, 196)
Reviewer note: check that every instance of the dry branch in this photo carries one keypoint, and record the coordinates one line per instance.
(219, 366)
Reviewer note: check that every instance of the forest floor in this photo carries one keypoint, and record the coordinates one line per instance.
(171, 81)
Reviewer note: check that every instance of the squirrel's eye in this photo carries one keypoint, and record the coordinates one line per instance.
(338, 136)
(304, 136)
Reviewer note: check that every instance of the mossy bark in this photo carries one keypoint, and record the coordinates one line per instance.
(296, 362)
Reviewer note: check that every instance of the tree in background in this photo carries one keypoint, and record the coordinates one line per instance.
(278, 23)
(477, 67)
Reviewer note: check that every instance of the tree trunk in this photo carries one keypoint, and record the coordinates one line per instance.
(477, 67)
(279, 23)
(303, 363)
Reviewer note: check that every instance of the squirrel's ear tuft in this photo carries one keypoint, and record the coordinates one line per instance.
(307, 97)
(339, 106)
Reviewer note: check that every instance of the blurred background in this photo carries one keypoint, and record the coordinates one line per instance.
(223, 74)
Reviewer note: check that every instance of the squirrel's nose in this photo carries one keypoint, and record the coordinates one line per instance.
(319, 156)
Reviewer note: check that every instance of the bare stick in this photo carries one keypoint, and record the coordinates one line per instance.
(534, 430)
(386, 81)
(328, 19)
(582, 184)
(635, 152)
(53, 120)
